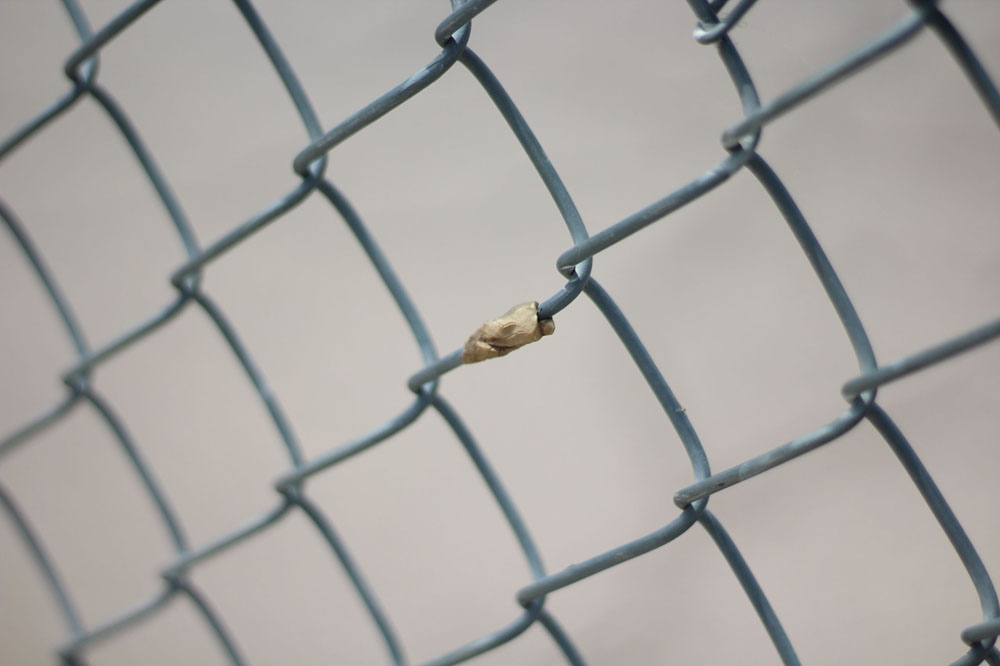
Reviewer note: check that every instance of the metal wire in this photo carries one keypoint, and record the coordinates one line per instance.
(741, 141)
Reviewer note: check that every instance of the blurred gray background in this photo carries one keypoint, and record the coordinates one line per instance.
(897, 169)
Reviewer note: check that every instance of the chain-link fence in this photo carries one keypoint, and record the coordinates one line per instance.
(742, 144)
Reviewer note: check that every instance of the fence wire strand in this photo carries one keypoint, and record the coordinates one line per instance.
(740, 142)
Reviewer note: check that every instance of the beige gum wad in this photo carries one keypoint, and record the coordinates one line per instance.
(498, 337)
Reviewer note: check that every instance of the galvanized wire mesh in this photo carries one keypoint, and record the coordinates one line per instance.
(741, 141)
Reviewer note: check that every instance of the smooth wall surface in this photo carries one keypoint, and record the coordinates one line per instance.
(897, 169)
